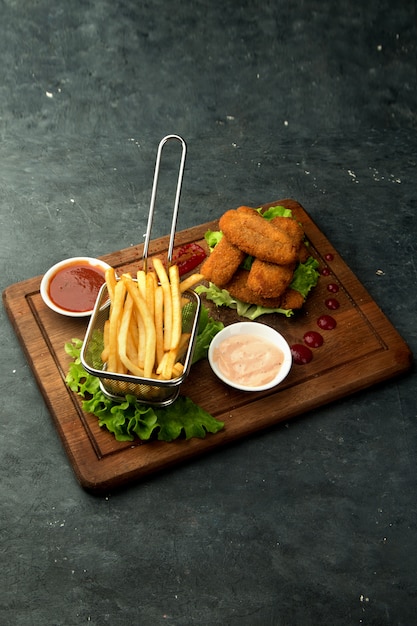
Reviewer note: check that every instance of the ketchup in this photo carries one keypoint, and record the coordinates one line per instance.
(313, 339)
(187, 257)
(326, 322)
(332, 303)
(301, 354)
(75, 286)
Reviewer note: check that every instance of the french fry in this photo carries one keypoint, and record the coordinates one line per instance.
(174, 279)
(114, 363)
(141, 278)
(133, 337)
(141, 347)
(143, 334)
(150, 334)
(123, 335)
(161, 364)
(159, 323)
(111, 281)
(105, 352)
(141, 344)
(164, 282)
(169, 362)
(151, 285)
(190, 281)
(177, 370)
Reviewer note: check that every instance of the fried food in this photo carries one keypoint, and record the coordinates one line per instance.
(150, 334)
(239, 289)
(174, 279)
(291, 299)
(222, 263)
(166, 290)
(143, 334)
(276, 246)
(290, 226)
(269, 279)
(190, 282)
(114, 361)
(250, 232)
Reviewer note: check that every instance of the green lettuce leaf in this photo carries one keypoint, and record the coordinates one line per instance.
(275, 211)
(125, 419)
(213, 237)
(181, 419)
(305, 276)
(77, 379)
(207, 329)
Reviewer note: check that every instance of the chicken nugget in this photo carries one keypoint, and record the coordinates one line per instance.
(269, 279)
(246, 209)
(292, 299)
(238, 288)
(222, 263)
(251, 233)
(290, 226)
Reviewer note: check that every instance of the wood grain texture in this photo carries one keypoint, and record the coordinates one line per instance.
(364, 349)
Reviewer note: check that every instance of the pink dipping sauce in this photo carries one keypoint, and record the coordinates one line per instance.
(248, 360)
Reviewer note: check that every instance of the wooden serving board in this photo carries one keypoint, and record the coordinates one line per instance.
(362, 350)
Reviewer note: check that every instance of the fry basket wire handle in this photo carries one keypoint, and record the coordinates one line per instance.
(153, 197)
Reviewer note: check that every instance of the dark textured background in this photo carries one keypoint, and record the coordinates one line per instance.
(314, 521)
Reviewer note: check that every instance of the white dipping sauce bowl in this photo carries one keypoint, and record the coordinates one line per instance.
(59, 267)
(255, 329)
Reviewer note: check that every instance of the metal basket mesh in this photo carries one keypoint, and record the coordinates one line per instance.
(146, 390)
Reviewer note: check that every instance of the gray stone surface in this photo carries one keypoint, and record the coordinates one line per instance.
(314, 521)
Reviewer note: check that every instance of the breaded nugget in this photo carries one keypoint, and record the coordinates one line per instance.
(292, 299)
(290, 226)
(245, 209)
(238, 288)
(222, 263)
(251, 233)
(269, 279)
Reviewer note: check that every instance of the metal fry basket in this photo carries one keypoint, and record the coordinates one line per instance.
(114, 385)
(146, 390)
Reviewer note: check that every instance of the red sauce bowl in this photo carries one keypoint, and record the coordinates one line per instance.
(70, 287)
